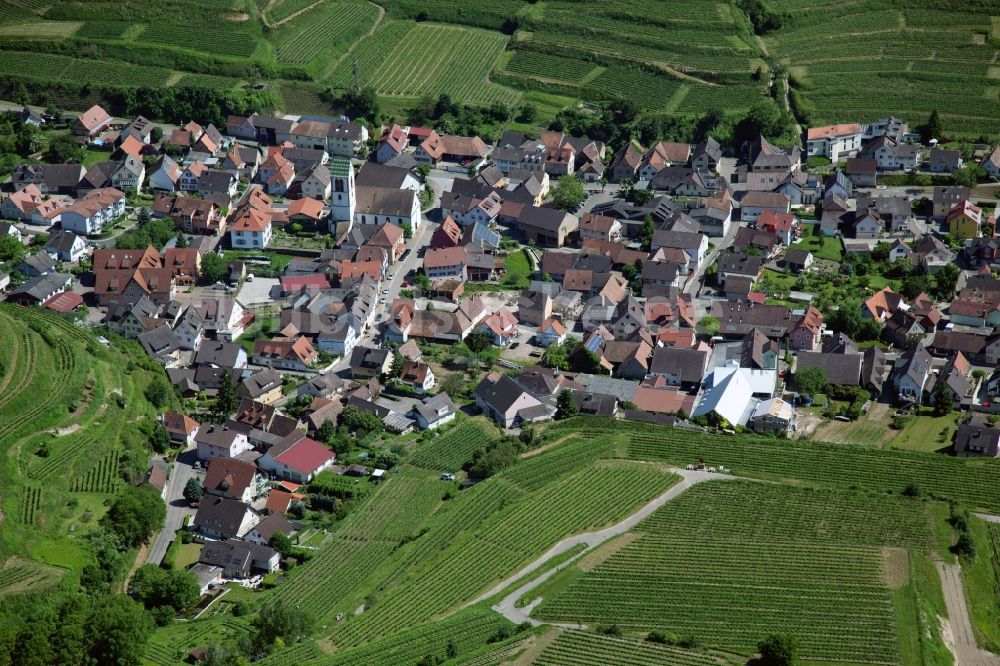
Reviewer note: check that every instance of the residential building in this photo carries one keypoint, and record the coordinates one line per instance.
(221, 442)
(834, 142)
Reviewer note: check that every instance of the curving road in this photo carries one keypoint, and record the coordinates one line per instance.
(590, 539)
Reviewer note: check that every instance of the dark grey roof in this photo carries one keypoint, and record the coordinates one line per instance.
(158, 341)
(216, 181)
(61, 241)
(221, 515)
(977, 437)
(841, 369)
(40, 287)
(373, 174)
(742, 264)
(501, 394)
(547, 219)
(689, 364)
(40, 262)
(221, 354)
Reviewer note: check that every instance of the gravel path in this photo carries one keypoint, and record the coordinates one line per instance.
(967, 653)
(590, 539)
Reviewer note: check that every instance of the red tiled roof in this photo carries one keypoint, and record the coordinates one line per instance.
(307, 455)
(64, 302)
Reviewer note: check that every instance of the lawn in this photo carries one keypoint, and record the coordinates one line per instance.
(518, 267)
(822, 247)
(279, 260)
(187, 554)
(926, 432)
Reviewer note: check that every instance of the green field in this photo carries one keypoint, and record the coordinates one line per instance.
(728, 562)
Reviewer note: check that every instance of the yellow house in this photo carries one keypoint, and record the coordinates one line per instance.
(964, 220)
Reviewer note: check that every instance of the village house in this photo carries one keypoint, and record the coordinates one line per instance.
(224, 518)
(297, 458)
(88, 215)
(434, 412)
(834, 141)
(221, 442)
(509, 405)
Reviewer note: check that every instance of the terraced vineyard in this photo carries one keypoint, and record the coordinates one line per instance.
(543, 468)
(577, 648)
(450, 451)
(896, 50)
(704, 566)
(548, 67)
(31, 498)
(67, 450)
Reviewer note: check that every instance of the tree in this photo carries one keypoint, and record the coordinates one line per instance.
(360, 103)
(143, 216)
(762, 119)
(810, 381)
(156, 135)
(778, 650)
(213, 267)
(279, 621)
(227, 400)
(568, 192)
(29, 139)
(565, 405)
(158, 392)
(932, 128)
(11, 249)
(327, 431)
(155, 587)
(193, 490)
(945, 280)
(159, 440)
(629, 272)
(968, 175)
(360, 423)
(281, 543)
(526, 113)
(396, 369)
(648, 229)
(119, 628)
(478, 341)
(709, 325)
(181, 240)
(944, 402)
(63, 149)
(135, 514)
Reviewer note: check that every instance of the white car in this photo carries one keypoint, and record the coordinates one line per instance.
(447, 476)
(386, 291)
(382, 300)
(391, 275)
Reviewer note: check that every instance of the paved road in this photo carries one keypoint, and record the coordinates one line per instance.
(694, 280)
(177, 506)
(967, 653)
(590, 539)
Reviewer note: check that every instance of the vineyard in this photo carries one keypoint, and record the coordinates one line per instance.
(101, 478)
(597, 495)
(58, 68)
(209, 39)
(67, 450)
(844, 466)
(431, 60)
(327, 28)
(577, 648)
(813, 570)
(20, 576)
(57, 375)
(453, 449)
(897, 49)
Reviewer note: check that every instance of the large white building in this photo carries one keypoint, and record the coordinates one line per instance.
(835, 142)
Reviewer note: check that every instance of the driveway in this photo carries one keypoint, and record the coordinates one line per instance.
(177, 506)
(963, 640)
